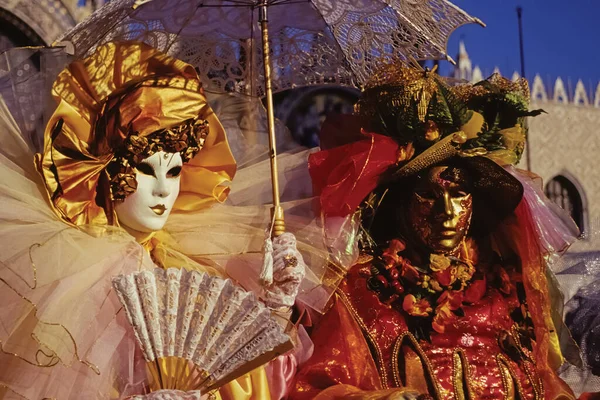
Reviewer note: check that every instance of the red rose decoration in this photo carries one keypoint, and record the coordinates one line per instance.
(452, 298)
(445, 277)
(443, 317)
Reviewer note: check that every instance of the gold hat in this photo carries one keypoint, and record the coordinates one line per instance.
(437, 121)
(125, 93)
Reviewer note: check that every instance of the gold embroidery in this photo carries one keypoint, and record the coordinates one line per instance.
(2, 394)
(53, 357)
(536, 382)
(461, 375)
(509, 378)
(507, 382)
(514, 330)
(534, 379)
(33, 266)
(395, 366)
(429, 376)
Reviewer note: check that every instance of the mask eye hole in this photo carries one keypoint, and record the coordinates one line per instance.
(174, 172)
(146, 169)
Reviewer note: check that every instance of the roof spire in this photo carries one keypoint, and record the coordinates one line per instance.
(463, 68)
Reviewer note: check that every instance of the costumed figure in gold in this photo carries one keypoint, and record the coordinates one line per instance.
(132, 142)
(449, 298)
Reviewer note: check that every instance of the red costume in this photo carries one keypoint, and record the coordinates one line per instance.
(366, 343)
(467, 325)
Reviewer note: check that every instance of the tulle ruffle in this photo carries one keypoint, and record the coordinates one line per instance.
(62, 331)
(60, 327)
(555, 229)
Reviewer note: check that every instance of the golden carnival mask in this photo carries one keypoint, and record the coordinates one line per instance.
(440, 209)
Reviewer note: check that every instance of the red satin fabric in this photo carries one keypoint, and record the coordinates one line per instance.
(341, 356)
(343, 176)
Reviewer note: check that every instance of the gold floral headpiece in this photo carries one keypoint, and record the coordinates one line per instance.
(186, 139)
(116, 107)
(433, 121)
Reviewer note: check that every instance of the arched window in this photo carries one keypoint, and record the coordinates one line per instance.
(564, 193)
(303, 110)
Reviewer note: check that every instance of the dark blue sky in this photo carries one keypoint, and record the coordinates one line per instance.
(562, 38)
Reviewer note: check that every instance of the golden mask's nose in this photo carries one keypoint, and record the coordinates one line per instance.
(448, 209)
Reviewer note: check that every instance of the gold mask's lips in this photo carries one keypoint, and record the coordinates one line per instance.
(159, 209)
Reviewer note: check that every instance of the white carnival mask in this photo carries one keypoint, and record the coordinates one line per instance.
(158, 178)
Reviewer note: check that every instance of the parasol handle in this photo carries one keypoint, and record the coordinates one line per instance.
(278, 218)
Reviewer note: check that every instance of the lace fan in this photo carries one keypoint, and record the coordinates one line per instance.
(197, 331)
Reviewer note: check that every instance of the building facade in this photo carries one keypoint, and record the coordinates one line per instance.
(563, 146)
(40, 22)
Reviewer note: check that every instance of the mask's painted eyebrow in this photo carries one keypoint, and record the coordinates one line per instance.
(171, 160)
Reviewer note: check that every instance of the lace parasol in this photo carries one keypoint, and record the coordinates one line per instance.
(311, 41)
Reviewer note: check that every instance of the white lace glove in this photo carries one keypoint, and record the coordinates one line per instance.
(288, 271)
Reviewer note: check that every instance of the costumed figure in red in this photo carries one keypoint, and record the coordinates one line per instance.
(449, 298)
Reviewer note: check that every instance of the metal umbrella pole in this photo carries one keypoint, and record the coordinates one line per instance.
(278, 218)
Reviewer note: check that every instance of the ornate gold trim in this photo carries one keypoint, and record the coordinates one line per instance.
(424, 360)
(537, 384)
(509, 378)
(378, 356)
(4, 386)
(395, 366)
(461, 375)
(515, 333)
(507, 382)
(54, 358)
